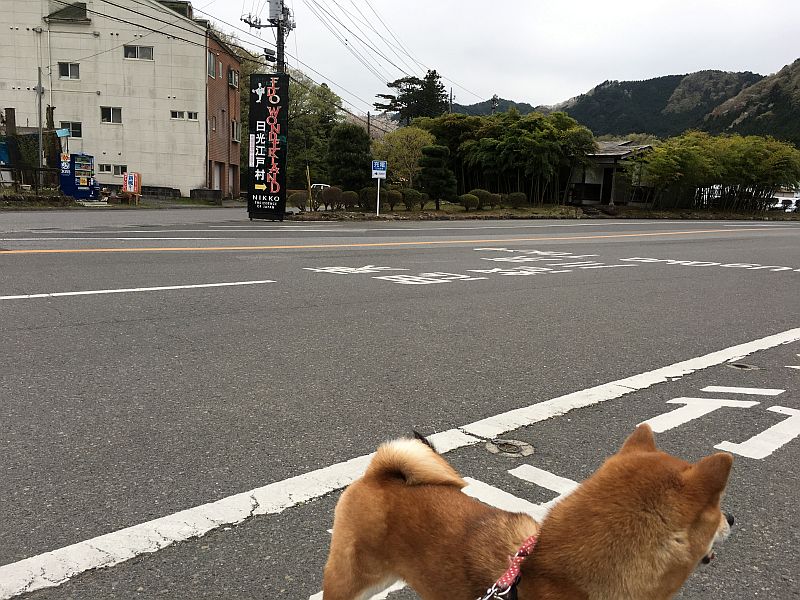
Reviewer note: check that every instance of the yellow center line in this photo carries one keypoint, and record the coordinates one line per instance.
(374, 244)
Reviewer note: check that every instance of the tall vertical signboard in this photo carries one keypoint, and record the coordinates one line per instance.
(269, 119)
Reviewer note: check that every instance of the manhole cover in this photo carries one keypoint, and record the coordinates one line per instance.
(509, 448)
(743, 367)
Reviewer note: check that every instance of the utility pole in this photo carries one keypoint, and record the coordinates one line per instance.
(39, 94)
(450, 107)
(281, 18)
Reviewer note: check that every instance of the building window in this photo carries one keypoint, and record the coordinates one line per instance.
(192, 116)
(236, 131)
(219, 67)
(104, 168)
(69, 70)
(139, 52)
(177, 114)
(111, 114)
(233, 78)
(212, 61)
(213, 123)
(75, 128)
(119, 170)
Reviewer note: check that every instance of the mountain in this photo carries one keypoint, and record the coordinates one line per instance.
(485, 107)
(662, 106)
(770, 106)
(713, 101)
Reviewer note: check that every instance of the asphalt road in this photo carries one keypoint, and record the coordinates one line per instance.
(158, 362)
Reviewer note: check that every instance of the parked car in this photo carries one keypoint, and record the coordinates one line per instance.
(785, 204)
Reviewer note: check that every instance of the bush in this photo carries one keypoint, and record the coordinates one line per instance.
(412, 197)
(517, 200)
(484, 197)
(494, 200)
(368, 196)
(332, 197)
(349, 200)
(468, 201)
(299, 200)
(393, 198)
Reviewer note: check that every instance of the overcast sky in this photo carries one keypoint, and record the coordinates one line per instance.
(540, 52)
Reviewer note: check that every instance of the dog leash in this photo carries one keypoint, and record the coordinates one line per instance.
(505, 588)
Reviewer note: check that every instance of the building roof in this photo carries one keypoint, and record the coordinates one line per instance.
(618, 149)
(71, 13)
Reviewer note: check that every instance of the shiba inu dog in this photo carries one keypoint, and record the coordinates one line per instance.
(635, 530)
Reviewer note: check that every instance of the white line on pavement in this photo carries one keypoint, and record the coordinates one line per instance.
(58, 566)
(61, 239)
(721, 389)
(131, 290)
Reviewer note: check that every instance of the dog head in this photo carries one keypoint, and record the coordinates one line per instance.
(689, 494)
(652, 517)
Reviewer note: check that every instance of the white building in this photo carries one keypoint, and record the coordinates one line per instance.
(128, 77)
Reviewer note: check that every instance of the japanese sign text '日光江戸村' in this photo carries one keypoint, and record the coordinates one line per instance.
(269, 102)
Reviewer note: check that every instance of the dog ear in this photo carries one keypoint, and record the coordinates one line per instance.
(641, 440)
(711, 473)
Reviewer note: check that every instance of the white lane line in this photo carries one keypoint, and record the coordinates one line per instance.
(58, 566)
(514, 419)
(61, 239)
(721, 389)
(132, 290)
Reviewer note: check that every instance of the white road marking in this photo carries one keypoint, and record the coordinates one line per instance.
(694, 409)
(545, 479)
(101, 239)
(721, 389)
(765, 443)
(133, 290)
(497, 425)
(58, 566)
(501, 499)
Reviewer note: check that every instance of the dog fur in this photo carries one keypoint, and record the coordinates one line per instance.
(635, 530)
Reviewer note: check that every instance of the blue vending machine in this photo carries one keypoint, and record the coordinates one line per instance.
(77, 177)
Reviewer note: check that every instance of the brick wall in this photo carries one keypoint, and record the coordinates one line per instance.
(223, 108)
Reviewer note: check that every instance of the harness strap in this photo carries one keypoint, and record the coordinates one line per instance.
(505, 588)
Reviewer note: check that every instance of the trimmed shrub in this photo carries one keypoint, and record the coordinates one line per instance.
(483, 197)
(332, 197)
(349, 200)
(517, 200)
(412, 197)
(493, 200)
(468, 201)
(299, 200)
(368, 196)
(393, 198)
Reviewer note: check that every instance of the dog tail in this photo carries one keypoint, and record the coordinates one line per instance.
(414, 462)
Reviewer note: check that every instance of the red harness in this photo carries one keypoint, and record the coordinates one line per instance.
(505, 587)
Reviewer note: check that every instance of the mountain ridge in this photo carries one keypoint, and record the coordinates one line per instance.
(710, 100)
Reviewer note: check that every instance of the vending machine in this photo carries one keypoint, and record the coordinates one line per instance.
(77, 177)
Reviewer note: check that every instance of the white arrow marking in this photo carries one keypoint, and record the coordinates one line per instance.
(765, 443)
(694, 409)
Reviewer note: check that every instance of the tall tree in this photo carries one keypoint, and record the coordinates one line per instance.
(402, 149)
(435, 177)
(314, 110)
(415, 97)
(349, 157)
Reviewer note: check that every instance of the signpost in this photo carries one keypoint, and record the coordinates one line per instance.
(269, 119)
(378, 172)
